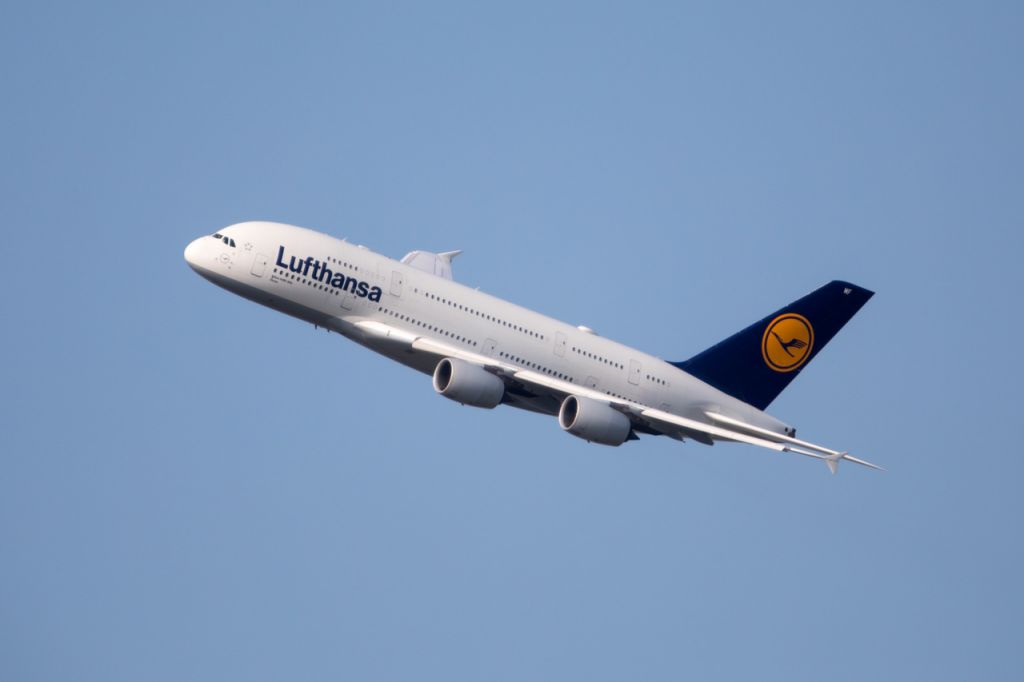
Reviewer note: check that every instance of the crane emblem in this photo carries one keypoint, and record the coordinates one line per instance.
(787, 342)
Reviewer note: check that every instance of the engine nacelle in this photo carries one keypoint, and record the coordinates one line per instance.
(468, 384)
(593, 421)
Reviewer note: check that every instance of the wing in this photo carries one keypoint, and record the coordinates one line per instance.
(718, 426)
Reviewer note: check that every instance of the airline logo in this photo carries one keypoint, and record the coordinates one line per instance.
(787, 342)
(314, 269)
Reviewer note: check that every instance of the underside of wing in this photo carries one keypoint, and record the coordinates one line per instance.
(535, 389)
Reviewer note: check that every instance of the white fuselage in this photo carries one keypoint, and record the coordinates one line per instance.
(340, 286)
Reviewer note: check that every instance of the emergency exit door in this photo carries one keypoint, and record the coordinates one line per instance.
(634, 372)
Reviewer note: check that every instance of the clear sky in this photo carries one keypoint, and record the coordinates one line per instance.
(197, 488)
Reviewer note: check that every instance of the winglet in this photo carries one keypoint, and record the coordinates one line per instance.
(439, 264)
(833, 461)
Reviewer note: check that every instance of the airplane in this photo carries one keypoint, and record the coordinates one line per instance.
(483, 351)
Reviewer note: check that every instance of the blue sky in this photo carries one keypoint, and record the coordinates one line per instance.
(196, 488)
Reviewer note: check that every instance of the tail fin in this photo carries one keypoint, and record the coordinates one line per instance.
(755, 364)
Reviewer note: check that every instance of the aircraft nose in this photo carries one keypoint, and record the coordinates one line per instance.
(192, 252)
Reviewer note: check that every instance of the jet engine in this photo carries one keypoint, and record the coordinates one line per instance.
(467, 383)
(593, 421)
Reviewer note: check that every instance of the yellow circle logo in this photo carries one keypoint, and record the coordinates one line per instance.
(787, 342)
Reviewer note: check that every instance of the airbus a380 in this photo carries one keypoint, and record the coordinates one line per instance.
(485, 352)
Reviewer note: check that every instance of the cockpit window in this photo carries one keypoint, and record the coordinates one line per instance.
(217, 236)
(227, 240)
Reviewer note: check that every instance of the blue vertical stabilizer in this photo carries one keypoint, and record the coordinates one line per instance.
(755, 364)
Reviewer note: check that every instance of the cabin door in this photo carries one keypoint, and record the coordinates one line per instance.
(343, 299)
(634, 372)
(560, 342)
(259, 265)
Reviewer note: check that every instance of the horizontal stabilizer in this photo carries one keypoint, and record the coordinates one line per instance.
(800, 447)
